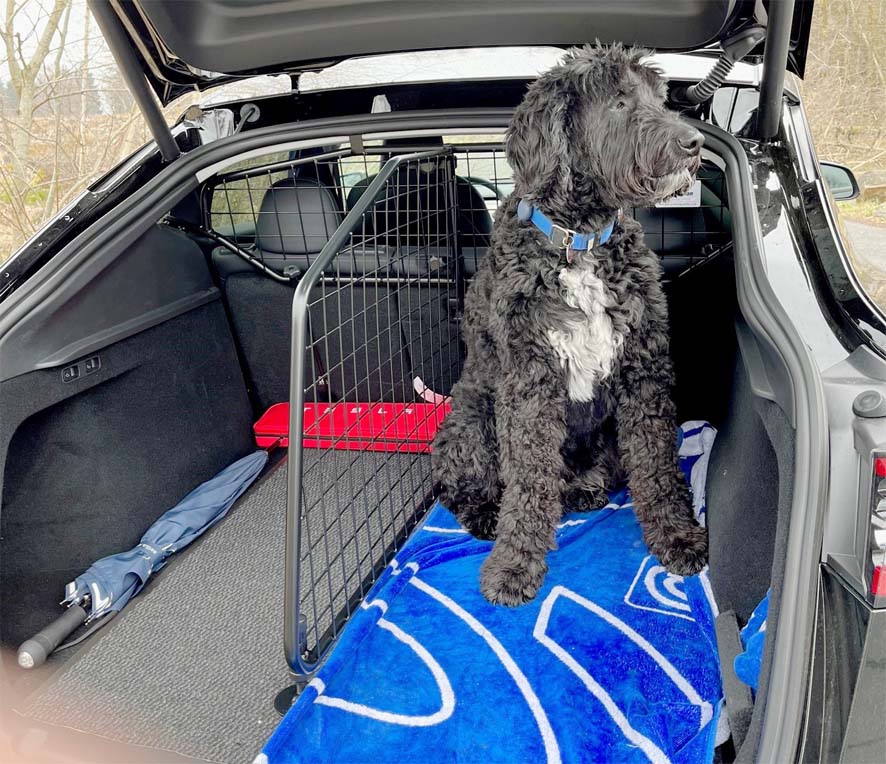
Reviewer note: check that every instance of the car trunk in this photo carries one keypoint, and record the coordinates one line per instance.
(192, 326)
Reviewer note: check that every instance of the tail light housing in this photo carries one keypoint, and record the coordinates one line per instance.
(878, 525)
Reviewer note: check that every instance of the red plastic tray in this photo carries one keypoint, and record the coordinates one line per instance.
(405, 427)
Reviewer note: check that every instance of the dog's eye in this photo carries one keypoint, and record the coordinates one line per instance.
(621, 105)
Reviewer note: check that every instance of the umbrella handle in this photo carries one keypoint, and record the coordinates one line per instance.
(37, 649)
(273, 447)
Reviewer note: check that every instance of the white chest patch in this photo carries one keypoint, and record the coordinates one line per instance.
(586, 343)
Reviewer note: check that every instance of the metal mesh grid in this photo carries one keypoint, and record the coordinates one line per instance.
(283, 240)
(374, 324)
(279, 214)
(684, 237)
(379, 244)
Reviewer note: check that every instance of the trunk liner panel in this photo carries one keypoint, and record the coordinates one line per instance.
(194, 663)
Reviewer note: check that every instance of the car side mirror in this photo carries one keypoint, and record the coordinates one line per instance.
(840, 180)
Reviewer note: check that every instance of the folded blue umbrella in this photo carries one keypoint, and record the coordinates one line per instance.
(108, 584)
(112, 581)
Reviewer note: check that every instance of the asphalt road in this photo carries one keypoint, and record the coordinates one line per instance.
(869, 258)
(869, 242)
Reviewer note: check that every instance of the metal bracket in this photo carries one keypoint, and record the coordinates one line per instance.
(357, 144)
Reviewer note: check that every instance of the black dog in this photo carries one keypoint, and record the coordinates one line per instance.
(566, 387)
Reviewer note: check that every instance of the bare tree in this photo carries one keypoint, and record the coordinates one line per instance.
(24, 71)
(844, 89)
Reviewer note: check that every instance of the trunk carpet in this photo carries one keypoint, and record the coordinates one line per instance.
(193, 664)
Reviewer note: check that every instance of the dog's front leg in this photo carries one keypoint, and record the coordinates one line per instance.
(647, 442)
(465, 455)
(530, 412)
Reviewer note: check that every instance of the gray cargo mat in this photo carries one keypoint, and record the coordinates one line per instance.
(194, 663)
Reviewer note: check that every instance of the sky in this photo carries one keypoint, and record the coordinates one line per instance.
(30, 21)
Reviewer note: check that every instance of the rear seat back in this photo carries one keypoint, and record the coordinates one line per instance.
(260, 307)
(680, 236)
(296, 219)
(370, 318)
(676, 235)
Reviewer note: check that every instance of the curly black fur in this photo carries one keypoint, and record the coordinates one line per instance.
(592, 135)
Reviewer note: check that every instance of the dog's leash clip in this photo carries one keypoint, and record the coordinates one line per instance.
(564, 240)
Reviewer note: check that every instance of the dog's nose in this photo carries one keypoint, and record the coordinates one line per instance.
(691, 142)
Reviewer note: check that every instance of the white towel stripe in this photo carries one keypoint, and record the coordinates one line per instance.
(436, 529)
(447, 696)
(652, 592)
(655, 754)
(649, 583)
(552, 750)
(396, 570)
(705, 708)
(709, 593)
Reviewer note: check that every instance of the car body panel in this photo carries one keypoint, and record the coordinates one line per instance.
(200, 43)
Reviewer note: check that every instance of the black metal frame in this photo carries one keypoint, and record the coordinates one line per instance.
(311, 627)
(775, 59)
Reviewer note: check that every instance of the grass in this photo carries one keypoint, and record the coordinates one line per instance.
(864, 211)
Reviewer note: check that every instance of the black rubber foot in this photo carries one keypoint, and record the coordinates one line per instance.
(286, 697)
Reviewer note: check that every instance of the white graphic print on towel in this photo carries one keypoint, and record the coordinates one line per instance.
(447, 697)
(586, 344)
(540, 633)
(656, 590)
(655, 754)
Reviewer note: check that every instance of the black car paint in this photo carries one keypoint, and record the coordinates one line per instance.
(847, 703)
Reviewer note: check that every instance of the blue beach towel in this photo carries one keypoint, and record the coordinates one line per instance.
(753, 639)
(614, 661)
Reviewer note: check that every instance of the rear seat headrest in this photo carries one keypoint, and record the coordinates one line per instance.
(297, 217)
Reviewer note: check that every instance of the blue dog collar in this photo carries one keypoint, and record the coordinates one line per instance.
(564, 238)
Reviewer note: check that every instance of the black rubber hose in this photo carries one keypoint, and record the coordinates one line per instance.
(734, 49)
(702, 91)
(38, 648)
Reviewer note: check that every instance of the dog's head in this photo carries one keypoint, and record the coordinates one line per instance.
(594, 132)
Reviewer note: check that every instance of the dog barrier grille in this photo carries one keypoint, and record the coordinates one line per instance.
(379, 244)
(369, 239)
(683, 236)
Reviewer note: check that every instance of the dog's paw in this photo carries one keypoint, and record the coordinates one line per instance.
(686, 554)
(509, 583)
(481, 523)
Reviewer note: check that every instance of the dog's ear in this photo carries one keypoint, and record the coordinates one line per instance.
(537, 141)
(636, 54)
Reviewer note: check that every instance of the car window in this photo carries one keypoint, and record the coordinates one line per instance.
(486, 170)
(354, 169)
(235, 203)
